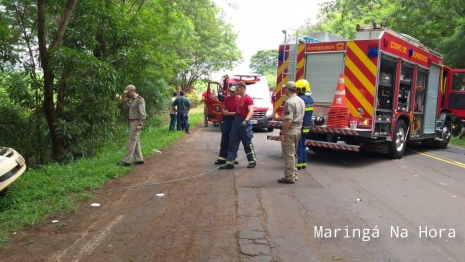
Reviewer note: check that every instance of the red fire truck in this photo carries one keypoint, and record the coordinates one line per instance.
(257, 88)
(397, 90)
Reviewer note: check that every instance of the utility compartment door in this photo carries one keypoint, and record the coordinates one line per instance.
(432, 99)
(322, 71)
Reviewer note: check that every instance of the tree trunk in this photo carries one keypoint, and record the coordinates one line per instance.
(48, 106)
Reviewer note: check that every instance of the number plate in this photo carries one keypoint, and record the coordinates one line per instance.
(254, 122)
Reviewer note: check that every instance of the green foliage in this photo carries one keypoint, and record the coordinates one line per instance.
(106, 45)
(195, 99)
(212, 46)
(264, 62)
(271, 78)
(55, 189)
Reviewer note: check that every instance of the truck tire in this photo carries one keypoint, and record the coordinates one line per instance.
(399, 142)
(445, 135)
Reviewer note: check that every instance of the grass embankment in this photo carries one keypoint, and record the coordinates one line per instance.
(57, 189)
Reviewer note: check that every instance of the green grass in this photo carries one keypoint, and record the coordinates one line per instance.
(57, 189)
(458, 142)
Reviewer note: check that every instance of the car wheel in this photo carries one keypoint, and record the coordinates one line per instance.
(270, 129)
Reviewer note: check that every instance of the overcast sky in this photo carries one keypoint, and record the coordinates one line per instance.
(259, 23)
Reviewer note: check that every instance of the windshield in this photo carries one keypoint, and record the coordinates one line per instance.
(259, 90)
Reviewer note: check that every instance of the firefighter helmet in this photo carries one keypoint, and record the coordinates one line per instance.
(303, 85)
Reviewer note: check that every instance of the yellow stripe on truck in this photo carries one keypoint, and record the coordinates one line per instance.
(363, 57)
(360, 98)
(360, 76)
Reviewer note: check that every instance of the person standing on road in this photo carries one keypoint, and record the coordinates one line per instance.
(135, 104)
(172, 113)
(241, 130)
(181, 107)
(304, 92)
(229, 112)
(294, 109)
(205, 109)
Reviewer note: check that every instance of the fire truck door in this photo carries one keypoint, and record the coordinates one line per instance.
(214, 102)
(432, 90)
(456, 96)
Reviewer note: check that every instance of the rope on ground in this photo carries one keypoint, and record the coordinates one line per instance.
(170, 181)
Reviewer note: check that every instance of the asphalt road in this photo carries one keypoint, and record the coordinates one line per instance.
(345, 207)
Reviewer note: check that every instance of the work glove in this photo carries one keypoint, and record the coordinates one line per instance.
(244, 123)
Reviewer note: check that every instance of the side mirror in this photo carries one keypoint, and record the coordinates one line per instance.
(221, 97)
(273, 98)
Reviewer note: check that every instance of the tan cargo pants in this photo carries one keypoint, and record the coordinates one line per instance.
(289, 148)
(133, 149)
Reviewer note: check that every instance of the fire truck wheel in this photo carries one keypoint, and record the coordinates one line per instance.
(445, 136)
(399, 141)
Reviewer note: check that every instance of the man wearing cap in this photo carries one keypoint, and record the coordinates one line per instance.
(135, 104)
(172, 113)
(294, 110)
(241, 130)
(181, 107)
(229, 113)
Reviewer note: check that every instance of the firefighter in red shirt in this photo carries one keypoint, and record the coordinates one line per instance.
(229, 112)
(241, 130)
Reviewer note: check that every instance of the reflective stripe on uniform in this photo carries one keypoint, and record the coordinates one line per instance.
(299, 164)
(310, 108)
(305, 130)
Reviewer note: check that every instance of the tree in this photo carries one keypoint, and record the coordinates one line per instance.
(45, 52)
(88, 51)
(212, 46)
(264, 62)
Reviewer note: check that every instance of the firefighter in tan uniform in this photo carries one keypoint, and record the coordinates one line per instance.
(294, 110)
(135, 104)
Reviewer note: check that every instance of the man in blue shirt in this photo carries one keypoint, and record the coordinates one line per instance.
(181, 107)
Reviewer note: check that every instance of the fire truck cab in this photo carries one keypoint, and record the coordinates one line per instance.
(257, 88)
(397, 90)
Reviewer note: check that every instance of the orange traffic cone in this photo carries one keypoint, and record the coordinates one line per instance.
(340, 96)
(338, 114)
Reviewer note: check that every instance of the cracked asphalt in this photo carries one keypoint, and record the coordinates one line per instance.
(345, 207)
